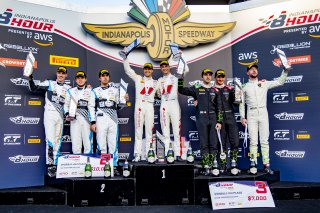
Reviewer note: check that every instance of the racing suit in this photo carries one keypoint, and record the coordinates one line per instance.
(106, 101)
(208, 113)
(53, 116)
(170, 111)
(255, 96)
(144, 109)
(80, 126)
(229, 128)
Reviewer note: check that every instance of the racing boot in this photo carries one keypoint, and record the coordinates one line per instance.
(137, 158)
(205, 161)
(267, 169)
(52, 170)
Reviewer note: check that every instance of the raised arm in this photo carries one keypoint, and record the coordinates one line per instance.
(279, 82)
(185, 90)
(130, 72)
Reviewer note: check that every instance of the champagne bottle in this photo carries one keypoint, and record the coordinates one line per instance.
(253, 168)
(215, 169)
(107, 169)
(170, 155)
(88, 169)
(190, 157)
(151, 155)
(126, 171)
(234, 169)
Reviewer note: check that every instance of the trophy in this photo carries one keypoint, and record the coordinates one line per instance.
(73, 107)
(283, 59)
(125, 52)
(175, 51)
(160, 147)
(181, 66)
(28, 67)
(237, 91)
(123, 90)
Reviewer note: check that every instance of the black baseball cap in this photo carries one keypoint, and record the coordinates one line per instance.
(81, 74)
(148, 65)
(104, 71)
(252, 65)
(165, 62)
(219, 72)
(206, 70)
(62, 69)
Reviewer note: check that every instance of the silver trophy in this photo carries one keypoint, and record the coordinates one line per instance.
(125, 52)
(73, 107)
(28, 67)
(181, 66)
(175, 51)
(237, 90)
(160, 147)
(123, 91)
(283, 59)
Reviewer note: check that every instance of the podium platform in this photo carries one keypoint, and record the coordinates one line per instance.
(148, 184)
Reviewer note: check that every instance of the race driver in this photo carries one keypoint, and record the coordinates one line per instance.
(229, 130)
(146, 88)
(105, 123)
(255, 97)
(80, 121)
(53, 115)
(170, 109)
(208, 115)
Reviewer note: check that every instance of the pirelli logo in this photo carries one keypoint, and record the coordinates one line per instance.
(34, 140)
(302, 98)
(64, 61)
(125, 139)
(34, 103)
(303, 136)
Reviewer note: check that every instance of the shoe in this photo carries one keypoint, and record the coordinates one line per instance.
(267, 169)
(136, 158)
(52, 170)
(116, 171)
(179, 159)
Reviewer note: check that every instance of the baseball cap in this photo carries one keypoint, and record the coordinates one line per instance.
(164, 62)
(62, 69)
(206, 70)
(252, 65)
(81, 74)
(148, 65)
(219, 72)
(104, 71)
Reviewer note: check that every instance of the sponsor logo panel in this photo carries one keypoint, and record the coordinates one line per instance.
(281, 98)
(290, 154)
(289, 116)
(64, 61)
(24, 120)
(13, 62)
(12, 100)
(24, 159)
(281, 135)
(12, 139)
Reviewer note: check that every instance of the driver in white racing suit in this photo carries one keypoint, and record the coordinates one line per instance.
(255, 96)
(53, 115)
(146, 88)
(80, 122)
(170, 109)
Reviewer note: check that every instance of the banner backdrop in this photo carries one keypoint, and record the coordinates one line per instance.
(57, 37)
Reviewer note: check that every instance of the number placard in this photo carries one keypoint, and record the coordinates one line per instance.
(240, 194)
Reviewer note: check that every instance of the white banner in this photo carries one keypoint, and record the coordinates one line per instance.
(73, 165)
(240, 194)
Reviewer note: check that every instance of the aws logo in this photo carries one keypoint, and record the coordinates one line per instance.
(160, 24)
(248, 58)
